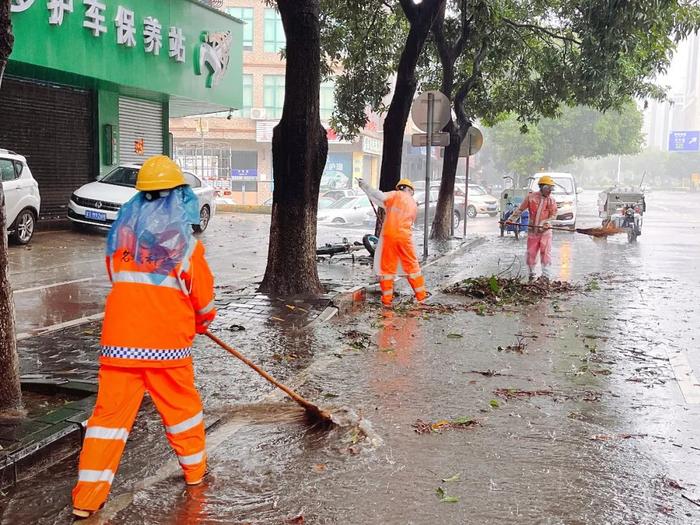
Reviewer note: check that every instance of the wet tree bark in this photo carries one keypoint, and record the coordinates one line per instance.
(449, 55)
(442, 221)
(10, 393)
(421, 17)
(299, 151)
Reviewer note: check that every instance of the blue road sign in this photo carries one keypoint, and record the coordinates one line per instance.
(684, 141)
(250, 173)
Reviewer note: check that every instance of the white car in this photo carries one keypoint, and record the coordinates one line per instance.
(97, 203)
(348, 210)
(565, 192)
(22, 199)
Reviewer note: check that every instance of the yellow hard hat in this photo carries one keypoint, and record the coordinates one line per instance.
(405, 182)
(546, 179)
(159, 173)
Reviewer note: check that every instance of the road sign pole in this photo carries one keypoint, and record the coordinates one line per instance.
(466, 186)
(428, 155)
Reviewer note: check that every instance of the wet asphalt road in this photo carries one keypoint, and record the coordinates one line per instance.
(608, 438)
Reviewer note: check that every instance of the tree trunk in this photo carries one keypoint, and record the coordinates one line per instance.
(299, 151)
(10, 393)
(406, 81)
(442, 221)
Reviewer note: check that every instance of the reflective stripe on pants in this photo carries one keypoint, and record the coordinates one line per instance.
(418, 285)
(119, 397)
(386, 285)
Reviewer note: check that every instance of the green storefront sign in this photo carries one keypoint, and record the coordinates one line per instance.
(178, 48)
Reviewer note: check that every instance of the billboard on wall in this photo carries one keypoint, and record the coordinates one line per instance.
(161, 46)
(338, 172)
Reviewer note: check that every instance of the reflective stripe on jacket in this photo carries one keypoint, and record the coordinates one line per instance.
(150, 318)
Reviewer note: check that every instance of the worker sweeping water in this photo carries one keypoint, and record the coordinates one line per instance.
(395, 253)
(162, 294)
(542, 209)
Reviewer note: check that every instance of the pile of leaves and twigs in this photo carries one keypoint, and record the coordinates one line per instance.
(515, 393)
(519, 347)
(491, 292)
(357, 340)
(460, 423)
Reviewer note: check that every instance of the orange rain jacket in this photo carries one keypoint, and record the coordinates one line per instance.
(153, 325)
(401, 210)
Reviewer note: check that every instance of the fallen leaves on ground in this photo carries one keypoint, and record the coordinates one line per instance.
(518, 347)
(451, 479)
(673, 484)
(460, 423)
(319, 467)
(610, 437)
(503, 291)
(487, 373)
(514, 393)
(444, 498)
(357, 340)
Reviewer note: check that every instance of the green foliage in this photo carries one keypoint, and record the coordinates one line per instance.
(527, 58)
(360, 39)
(579, 132)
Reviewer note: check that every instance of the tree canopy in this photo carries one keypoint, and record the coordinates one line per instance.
(579, 132)
(531, 56)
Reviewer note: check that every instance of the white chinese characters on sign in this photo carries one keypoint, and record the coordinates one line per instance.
(57, 8)
(17, 6)
(177, 44)
(126, 31)
(152, 39)
(94, 17)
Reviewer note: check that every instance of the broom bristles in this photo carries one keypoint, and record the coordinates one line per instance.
(601, 232)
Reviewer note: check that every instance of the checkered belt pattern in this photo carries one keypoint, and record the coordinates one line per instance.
(145, 353)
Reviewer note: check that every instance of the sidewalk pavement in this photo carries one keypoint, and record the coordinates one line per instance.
(65, 361)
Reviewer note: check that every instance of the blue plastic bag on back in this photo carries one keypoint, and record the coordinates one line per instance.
(156, 233)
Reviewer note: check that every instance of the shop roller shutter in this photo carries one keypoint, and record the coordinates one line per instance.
(139, 120)
(54, 127)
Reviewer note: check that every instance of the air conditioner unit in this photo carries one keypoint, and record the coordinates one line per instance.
(257, 113)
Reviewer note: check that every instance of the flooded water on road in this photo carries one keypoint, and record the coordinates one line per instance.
(588, 424)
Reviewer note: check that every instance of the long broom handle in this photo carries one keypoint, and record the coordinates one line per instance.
(291, 393)
(558, 228)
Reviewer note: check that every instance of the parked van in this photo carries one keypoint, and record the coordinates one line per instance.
(565, 192)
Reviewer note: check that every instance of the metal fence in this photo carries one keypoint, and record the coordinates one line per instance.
(218, 164)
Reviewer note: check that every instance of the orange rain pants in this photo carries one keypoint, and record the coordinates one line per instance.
(396, 247)
(119, 397)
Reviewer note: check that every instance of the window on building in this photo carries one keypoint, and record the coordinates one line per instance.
(245, 14)
(274, 32)
(247, 97)
(327, 100)
(273, 95)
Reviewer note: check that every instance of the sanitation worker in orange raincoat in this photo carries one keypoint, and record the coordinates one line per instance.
(395, 253)
(162, 294)
(542, 208)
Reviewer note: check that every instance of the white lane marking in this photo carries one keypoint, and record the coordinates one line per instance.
(59, 326)
(687, 380)
(54, 285)
(54, 267)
